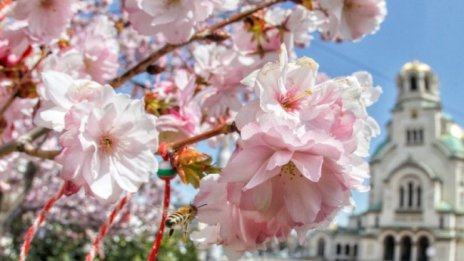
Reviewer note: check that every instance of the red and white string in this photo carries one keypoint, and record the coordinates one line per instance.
(105, 227)
(38, 222)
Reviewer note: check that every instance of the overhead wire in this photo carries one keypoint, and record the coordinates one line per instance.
(351, 60)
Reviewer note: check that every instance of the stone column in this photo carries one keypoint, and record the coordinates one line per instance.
(397, 251)
(414, 251)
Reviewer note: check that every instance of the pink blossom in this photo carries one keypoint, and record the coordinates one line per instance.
(60, 92)
(47, 19)
(263, 33)
(258, 36)
(185, 121)
(233, 228)
(283, 88)
(300, 153)
(94, 54)
(99, 49)
(174, 20)
(14, 43)
(69, 61)
(300, 23)
(112, 150)
(222, 69)
(17, 118)
(352, 19)
(276, 182)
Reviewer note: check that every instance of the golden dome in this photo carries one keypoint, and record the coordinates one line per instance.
(416, 66)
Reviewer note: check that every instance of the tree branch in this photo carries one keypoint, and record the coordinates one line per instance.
(7, 104)
(202, 35)
(15, 144)
(18, 85)
(221, 129)
(31, 150)
(24, 143)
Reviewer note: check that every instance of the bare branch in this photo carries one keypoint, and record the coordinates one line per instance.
(31, 150)
(221, 129)
(14, 145)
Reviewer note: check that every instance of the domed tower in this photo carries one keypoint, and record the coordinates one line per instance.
(417, 183)
(418, 86)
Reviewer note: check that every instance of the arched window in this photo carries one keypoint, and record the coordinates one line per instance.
(410, 194)
(422, 246)
(414, 136)
(406, 245)
(389, 248)
(347, 249)
(413, 83)
(419, 196)
(355, 250)
(320, 247)
(427, 83)
(339, 249)
(401, 197)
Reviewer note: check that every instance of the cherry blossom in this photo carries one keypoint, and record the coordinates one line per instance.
(100, 49)
(282, 88)
(184, 122)
(60, 93)
(222, 69)
(112, 150)
(47, 19)
(174, 20)
(14, 43)
(109, 141)
(94, 54)
(300, 168)
(352, 19)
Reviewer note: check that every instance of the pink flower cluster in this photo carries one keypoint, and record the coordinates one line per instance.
(174, 20)
(300, 153)
(352, 19)
(46, 19)
(109, 140)
(94, 53)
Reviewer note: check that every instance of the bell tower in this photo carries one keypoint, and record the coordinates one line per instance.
(417, 87)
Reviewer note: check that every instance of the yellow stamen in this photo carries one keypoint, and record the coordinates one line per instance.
(106, 144)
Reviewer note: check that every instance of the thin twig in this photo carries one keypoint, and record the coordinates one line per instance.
(18, 84)
(202, 35)
(221, 129)
(31, 150)
(14, 145)
(7, 104)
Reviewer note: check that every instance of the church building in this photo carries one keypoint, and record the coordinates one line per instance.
(416, 202)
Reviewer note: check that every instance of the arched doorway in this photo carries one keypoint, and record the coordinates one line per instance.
(321, 247)
(422, 246)
(406, 245)
(389, 248)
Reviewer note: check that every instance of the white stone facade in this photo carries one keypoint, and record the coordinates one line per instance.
(416, 202)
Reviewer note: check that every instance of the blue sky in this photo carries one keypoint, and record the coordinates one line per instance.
(430, 31)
